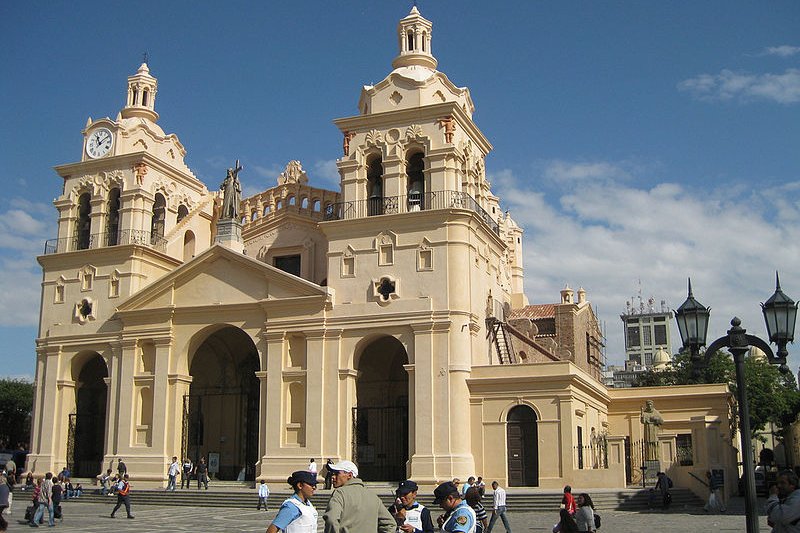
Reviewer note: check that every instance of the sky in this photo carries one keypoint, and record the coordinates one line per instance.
(637, 143)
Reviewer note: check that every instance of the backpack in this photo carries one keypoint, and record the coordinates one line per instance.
(596, 520)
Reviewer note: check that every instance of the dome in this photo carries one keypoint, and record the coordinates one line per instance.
(662, 359)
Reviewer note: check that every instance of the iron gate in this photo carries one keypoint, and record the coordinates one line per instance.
(380, 442)
(85, 444)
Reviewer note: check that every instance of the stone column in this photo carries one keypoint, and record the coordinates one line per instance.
(65, 405)
(163, 442)
(394, 174)
(112, 400)
(315, 350)
(331, 406)
(272, 362)
(262, 429)
(98, 217)
(420, 383)
(125, 400)
(43, 437)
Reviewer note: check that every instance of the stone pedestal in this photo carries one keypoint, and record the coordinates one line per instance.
(229, 234)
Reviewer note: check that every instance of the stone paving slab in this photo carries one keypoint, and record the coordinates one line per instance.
(94, 518)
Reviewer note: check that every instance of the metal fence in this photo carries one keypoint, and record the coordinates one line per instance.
(592, 455)
(389, 205)
(102, 240)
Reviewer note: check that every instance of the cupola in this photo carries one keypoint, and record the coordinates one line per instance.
(142, 89)
(414, 35)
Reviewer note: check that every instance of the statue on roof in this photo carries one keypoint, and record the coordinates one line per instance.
(231, 193)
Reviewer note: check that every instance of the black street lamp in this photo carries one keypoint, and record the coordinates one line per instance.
(780, 313)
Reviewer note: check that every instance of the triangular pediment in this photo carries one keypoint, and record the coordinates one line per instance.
(221, 277)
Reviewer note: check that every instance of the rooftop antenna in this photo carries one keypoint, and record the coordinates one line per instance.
(145, 57)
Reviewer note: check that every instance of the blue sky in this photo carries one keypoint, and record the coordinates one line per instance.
(633, 140)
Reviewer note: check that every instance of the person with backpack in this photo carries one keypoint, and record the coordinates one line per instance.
(123, 496)
(584, 516)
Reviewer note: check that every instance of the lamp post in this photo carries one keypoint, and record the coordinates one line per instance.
(780, 313)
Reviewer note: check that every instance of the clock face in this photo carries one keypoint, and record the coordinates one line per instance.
(99, 143)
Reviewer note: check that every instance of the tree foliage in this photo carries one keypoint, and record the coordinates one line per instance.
(16, 403)
(771, 395)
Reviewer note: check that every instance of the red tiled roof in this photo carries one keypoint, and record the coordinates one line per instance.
(535, 312)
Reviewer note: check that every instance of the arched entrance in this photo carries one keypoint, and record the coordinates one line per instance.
(380, 418)
(87, 425)
(522, 440)
(221, 410)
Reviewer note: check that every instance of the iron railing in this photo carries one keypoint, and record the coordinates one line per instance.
(390, 205)
(592, 455)
(102, 240)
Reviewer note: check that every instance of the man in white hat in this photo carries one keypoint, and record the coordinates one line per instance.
(352, 507)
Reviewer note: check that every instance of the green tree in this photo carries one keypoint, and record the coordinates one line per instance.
(16, 403)
(771, 395)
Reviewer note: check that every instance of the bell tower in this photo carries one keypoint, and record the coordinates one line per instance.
(142, 89)
(414, 34)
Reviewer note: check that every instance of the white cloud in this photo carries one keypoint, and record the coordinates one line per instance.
(781, 51)
(729, 85)
(328, 173)
(23, 229)
(607, 234)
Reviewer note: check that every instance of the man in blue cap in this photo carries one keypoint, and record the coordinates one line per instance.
(458, 515)
(411, 516)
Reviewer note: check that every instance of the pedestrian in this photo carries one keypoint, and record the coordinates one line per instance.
(105, 480)
(5, 491)
(568, 502)
(58, 493)
(352, 507)
(458, 516)
(465, 487)
(663, 485)
(44, 501)
(122, 468)
(186, 472)
(263, 494)
(201, 472)
(566, 524)
(715, 502)
(410, 515)
(123, 496)
(584, 517)
(297, 514)
(474, 500)
(172, 473)
(481, 486)
(783, 504)
(499, 508)
(312, 466)
(328, 474)
(78, 490)
(70, 488)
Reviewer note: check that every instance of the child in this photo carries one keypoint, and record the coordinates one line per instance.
(263, 494)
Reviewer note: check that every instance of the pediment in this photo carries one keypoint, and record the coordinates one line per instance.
(221, 277)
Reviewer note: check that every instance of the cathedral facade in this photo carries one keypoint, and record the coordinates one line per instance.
(385, 322)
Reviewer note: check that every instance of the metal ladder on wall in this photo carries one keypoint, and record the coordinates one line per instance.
(499, 337)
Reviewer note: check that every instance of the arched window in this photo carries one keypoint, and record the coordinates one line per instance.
(159, 216)
(304, 203)
(410, 38)
(112, 222)
(188, 246)
(316, 205)
(135, 97)
(375, 186)
(267, 210)
(83, 229)
(416, 182)
(424, 38)
(183, 211)
(144, 98)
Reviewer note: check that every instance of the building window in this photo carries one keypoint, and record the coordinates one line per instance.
(683, 446)
(158, 220)
(386, 255)
(661, 334)
(416, 182)
(348, 267)
(112, 227)
(59, 296)
(633, 337)
(182, 212)
(84, 225)
(425, 260)
(648, 359)
(288, 263)
(375, 187)
(647, 334)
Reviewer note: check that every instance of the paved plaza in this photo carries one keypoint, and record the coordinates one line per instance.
(90, 517)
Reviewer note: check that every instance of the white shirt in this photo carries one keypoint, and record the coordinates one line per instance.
(174, 469)
(499, 498)
(263, 490)
(312, 467)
